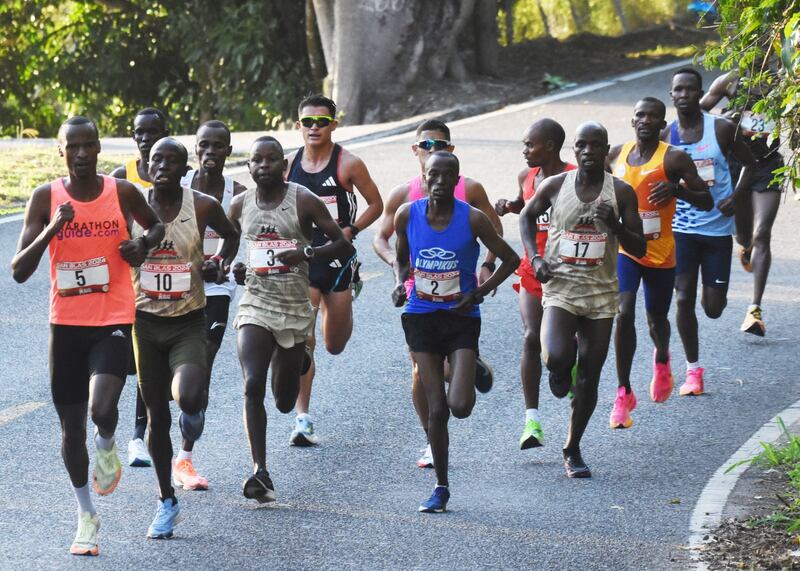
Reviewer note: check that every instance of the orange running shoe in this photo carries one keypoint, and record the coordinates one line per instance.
(662, 383)
(693, 384)
(185, 476)
(621, 413)
(744, 258)
(753, 322)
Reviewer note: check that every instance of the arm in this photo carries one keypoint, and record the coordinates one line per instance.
(380, 243)
(402, 266)
(731, 142)
(358, 176)
(315, 213)
(503, 206)
(612, 156)
(628, 225)
(238, 188)
(134, 205)
(235, 216)
(679, 166)
(720, 88)
(535, 207)
(211, 214)
(37, 231)
(476, 196)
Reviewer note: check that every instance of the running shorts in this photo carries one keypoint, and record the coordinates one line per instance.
(762, 174)
(327, 279)
(658, 283)
(441, 332)
(217, 317)
(710, 255)
(162, 344)
(528, 281)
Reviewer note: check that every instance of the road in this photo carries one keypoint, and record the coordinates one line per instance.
(351, 502)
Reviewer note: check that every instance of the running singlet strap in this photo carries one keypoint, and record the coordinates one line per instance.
(90, 282)
(415, 191)
(132, 175)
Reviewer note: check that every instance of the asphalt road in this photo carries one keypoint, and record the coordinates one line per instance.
(352, 502)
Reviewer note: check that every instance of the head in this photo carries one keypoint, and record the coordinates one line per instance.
(168, 159)
(687, 89)
(149, 125)
(213, 146)
(542, 142)
(266, 162)
(591, 146)
(432, 135)
(79, 144)
(441, 175)
(649, 116)
(317, 119)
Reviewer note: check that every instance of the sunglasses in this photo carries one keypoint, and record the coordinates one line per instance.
(435, 144)
(321, 121)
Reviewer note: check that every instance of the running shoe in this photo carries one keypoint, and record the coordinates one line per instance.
(753, 323)
(85, 542)
(307, 360)
(693, 384)
(426, 460)
(303, 433)
(623, 405)
(575, 466)
(574, 379)
(358, 284)
(662, 383)
(192, 425)
(107, 470)
(532, 435)
(437, 503)
(259, 487)
(744, 258)
(168, 515)
(185, 476)
(138, 456)
(484, 376)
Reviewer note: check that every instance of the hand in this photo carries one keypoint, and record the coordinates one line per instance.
(64, 213)
(466, 302)
(239, 272)
(661, 193)
(348, 233)
(133, 251)
(484, 275)
(604, 212)
(727, 206)
(399, 295)
(501, 207)
(541, 269)
(211, 271)
(292, 257)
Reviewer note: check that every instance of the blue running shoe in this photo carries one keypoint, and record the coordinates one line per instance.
(168, 515)
(192, 425)
(437, 503)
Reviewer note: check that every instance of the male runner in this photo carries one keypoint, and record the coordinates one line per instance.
(83, 221)
(170, 332)
(275, 313)
(213, 147)
(149, 125)
(437, 237)
(592, 214)
(433, 135)
(654, 169)
(703, 240)
(332, 173)
(755, 217)
(542, 144)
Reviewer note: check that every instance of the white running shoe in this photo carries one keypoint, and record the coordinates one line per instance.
(138, 455)
(426, 460)
(303, 433)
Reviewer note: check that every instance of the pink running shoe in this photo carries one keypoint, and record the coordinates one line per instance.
(661, 385)
(693, 384)
(623, 405)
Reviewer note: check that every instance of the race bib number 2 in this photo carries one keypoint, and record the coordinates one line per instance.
(263, 256)
(80, 278)
(438, 287)
(166, 281)
(582, 249)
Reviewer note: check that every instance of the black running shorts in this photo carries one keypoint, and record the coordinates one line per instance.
(441, 332)
(217, 317)
(327, 279)
(710, 256)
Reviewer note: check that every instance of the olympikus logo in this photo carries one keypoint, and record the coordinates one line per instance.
(329, 182)
(437, 259)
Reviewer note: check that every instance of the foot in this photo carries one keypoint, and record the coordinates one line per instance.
(662, 383)
(693, 384)
(168, 515)
(426, 460)
(185, 476)
(437, 503)
(744, 258)
(753, 323)
(357, 284)
(192, 425)
(307, 360)
(259, 487)
(623, 405)
(575, 466)
(85, 542)
(532, 435)
(107, 470)
(138, 455)
(303, 433)
(484, 376)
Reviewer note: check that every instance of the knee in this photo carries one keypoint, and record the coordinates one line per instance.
(555, 361)
(714, 309)
(102, 414)
(761, 237)
(532, 342)
(255, 389)
(285, 404)
(586, 387)
(462, 409)
(73, 436)
(685, 299)
(159, 421)
(190, 401)
(335, 346)
(438, 413)
(625, 316)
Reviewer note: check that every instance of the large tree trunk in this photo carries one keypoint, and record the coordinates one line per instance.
(316, 59)
(487, 49)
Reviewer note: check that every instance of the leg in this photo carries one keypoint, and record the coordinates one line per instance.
(418, 395)
(104, 393)
(286, 367)
(625, 338)
(461, 391)
(530, 308)
(686, 297)
(255, 347)
(307, 380)
(558, 339)
(72, 418)
(156, 396)
(140, 424)
(337, 320)
(716, 271)
(431, 372)
(765, 209)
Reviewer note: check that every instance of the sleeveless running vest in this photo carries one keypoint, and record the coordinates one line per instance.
(656, 222)
(169, 282)
(90, 283)
(712, 166)
(132, 175)
(443, 262)
(415, 189)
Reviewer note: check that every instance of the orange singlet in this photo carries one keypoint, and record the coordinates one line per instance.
(90, 283)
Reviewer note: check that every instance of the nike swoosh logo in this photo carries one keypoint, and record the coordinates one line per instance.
(186, 219)
(645, 173)
(286, 208)
(216, 324)
(719, 282)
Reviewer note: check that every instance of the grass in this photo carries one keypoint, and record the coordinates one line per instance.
(669, 50)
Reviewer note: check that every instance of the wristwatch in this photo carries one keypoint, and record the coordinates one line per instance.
(308, 252)
(354, 230)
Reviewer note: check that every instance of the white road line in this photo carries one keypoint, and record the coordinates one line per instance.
(12, 218)
(707, 513)
(13, 412)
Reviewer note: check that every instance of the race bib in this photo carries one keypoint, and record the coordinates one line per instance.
(80, 278)
(210, 243)
(705, 168)
(651, 224)
(262, 256)
(438, 287)
(543, 221)
(582, 249)
(332, 205)
(753, 125)
(165, 281)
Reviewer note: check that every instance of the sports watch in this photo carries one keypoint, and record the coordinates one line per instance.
(308, 252)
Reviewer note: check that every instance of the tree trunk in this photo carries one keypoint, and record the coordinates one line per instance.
(486, 33)
(621, 15)
(316, 59)
(508, 6)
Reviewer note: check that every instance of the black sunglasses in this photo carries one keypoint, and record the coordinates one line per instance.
(308, 121)
(435, 144)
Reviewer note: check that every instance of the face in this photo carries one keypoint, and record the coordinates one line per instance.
(591, 147)
(315, 134)
(79, 147)
(536, 149)
(441, 177)
(266, 163)
(213, 147)
(147, 129)
(439, 139)
(167, 165)
(648, 120)
(685, 92)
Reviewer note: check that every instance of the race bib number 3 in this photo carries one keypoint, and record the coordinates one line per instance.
(543, 221)
(438, 287)
(705, 168)
(80, 278)
(262, 256)
(166, 281)
(651, 224)
(210, 244)
(586, 249)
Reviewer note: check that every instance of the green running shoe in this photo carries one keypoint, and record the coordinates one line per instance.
(532, 435)
(574, 374)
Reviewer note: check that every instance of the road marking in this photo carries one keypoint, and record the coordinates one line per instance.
(366, 276)
(13, 412)
(12, 218)
(707, 513)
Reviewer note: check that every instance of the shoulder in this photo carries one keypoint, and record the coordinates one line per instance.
(474, 191)
(120, 172)
(523, 174)
(348, 162)
(203, 200)
(397, 197)
(238, 199)
(238, 188)
(290, 159)
(41, 195)
(621, 187)
(554, 182)
(404, 211)
(125, 187)
(614, 152)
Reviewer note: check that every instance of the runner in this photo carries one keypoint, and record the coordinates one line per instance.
(83, 221)
(149, 125)
(703, 239)
(542, 144)
(654, 170)
(275, 313)
(592, 214)
(433, 135)
(438, 237)
(332, 173)
(755, 217)
(213, 147)
(169, 332)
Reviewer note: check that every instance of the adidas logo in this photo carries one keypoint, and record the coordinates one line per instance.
(329, 182)
(118, 333)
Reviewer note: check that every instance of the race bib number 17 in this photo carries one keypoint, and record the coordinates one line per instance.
(582, 249)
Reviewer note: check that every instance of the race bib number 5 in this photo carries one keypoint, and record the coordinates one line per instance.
(651, 224)
(438, 287)
(582, 249)
(166, 281)
(262, 256)
(80, 278)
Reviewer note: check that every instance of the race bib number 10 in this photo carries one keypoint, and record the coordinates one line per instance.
(438, 287)
(586, 249)
(166, 281)
(262, 256)
(80, 278)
